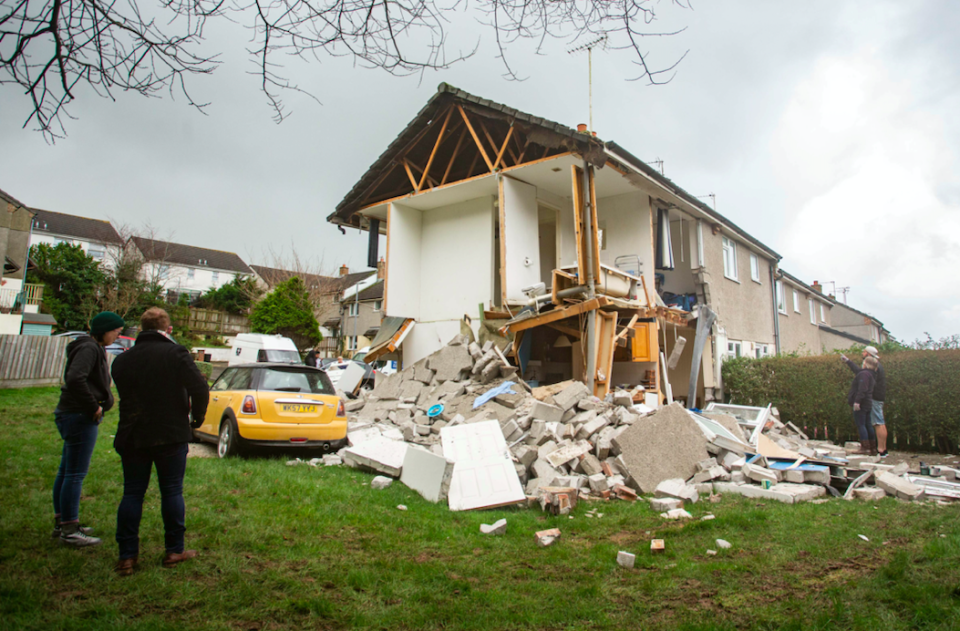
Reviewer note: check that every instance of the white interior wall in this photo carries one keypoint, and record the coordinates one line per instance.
(548, 245)
(456, 256)
(426, 338)
(404, 229)
(520, 236)
(626, 219)
(679, 280)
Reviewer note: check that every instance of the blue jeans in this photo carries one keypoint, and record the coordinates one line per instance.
(79, 433)
(864, 427)
(171, 464)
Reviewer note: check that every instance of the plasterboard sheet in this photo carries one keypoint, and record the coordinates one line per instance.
(521, 232)
(483, 473)
(712, 428)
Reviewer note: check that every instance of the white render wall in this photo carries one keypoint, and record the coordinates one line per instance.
(178, 277)
(402, 289)
(110, 251)
(627, 222)
(521, 235)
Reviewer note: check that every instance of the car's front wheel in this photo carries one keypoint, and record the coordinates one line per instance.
(228, 445)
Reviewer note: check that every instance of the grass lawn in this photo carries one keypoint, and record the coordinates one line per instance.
(302, 547)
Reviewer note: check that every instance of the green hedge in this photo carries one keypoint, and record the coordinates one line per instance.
(206, 368)
(922, 407)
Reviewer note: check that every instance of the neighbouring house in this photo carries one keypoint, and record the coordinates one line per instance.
(848, 325)
(186, 269)
(362, 312)
(804, 314)
(325, 292)
(98, 238)
(594, 263)
(16, 296)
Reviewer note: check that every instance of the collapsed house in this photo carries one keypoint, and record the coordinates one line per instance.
(590, 262)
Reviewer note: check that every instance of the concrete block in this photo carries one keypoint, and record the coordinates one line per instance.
(759, 474)
(571, 395)
(732, 461)
(567, 453)
(704, 488)
(389, 388)
(379, 454)
(591, 427)
(869, 493)
(703, 465)
(898, 487)
(498, 527)
(427, 473)
(522, 474)
(410, 389)
(546, 412)
(474, 349)
(676, 513)
(544, 471)
(793, 475)
(422, 430)
(675, 487)
(723, 544)
(423, 373)
(663, 504)
(737, 477)
(546, 449)
(598, 483)
(546, 538)
(590, 465)
(623, 399)
(716, 472)
(380, 482)
(900, 468)
(510, 431)
(354, 405)
(569, 481)
(782, 492)
(525, 455)
(625, 559)
(449, 362)
(490, 372)
(666, 444)
(589, 403)
(332, 460)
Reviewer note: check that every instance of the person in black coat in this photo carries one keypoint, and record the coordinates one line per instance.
(84, 398)
(860, 397)
(160, 390)
(879, 396)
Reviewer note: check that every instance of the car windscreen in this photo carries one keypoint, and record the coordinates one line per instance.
(274, 355)
(283, 379)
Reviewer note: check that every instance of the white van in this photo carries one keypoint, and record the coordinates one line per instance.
(257, 347)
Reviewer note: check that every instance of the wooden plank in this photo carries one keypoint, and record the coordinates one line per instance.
(413, 180)
(606, 328)
(566, 330)
(594, 223)
(436, 146)
(453, 158)
(500, 155)
(476, 138)
(629, 326)
(578, 215)
(503, 243)
(556, 314)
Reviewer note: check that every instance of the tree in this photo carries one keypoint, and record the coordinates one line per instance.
(50, 50)
(72, 281)
(235, 297)
(287, 311)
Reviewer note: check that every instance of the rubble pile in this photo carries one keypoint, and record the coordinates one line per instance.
(555, 445)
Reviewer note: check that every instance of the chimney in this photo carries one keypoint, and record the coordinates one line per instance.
(381, 269)
(344, 270)
(817, 287)
(582, 128)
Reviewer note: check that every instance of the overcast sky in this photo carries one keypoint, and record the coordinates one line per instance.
(827, 130)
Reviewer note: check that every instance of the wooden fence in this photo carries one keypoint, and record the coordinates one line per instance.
(32, 360)
(209, 321)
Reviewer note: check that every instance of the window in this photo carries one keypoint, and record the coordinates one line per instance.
(378, 305)
(813, 313)
(823, 313)
(796, 301)
(353, 309)
(282, 379)
(215, 278)
(734, 349)
(95, 252)
(163, 272)
(191, 273)
(762, 350)
(754, 268)
(352, 343)
(781, 302)
(730, 259)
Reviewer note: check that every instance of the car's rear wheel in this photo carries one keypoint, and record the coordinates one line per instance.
(228, 445)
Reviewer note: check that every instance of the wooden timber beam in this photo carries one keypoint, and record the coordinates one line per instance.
(566, 330)
(453, 158)
(476, 138)
(433, 153)
(413, 180)
(489, 138)
(558, 314)
(500, 155)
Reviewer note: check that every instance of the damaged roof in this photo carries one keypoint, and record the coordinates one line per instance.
(540, 131)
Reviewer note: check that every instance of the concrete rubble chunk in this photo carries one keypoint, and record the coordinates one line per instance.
(546, 538)
(449, 362)
(546, 412)
(675, 487)
(389, 388)
(715, 472)
(722, 543)
(623, 399)
(898, 487)
(663, 504)
(625, 559)
(568, 452)
(732, 461)
(591, 427)
(676, 513)
(544, 471)
(598, 483)
(498, 527)
(382, 455)
(558, 500)
(869, 493)
(474, 349)
(759, 474)
(783, 492)
(525, 455)
(410, 389)
(590, 465)
(666, 444)
(571, 395)
(900, 468)
(355, 405)
(547, 448)
(380, 482)
(332, 460)
(706, 464)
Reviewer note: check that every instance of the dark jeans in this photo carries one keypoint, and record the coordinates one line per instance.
(171, 463)
(79, 433)
(864, 426)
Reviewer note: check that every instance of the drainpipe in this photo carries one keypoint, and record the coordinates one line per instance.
(776, 310)
(591, 350)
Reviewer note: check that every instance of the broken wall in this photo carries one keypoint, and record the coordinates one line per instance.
(626, 222)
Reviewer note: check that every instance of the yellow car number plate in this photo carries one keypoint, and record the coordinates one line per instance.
(297, 407)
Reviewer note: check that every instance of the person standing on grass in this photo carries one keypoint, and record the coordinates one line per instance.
(860, 398)
(160, 389)
(84, 398)
(879, 394)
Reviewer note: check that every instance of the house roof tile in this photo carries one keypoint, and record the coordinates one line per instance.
(74, 226)
(192, 256)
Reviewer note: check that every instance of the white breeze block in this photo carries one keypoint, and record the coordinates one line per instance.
(427, 473)
(379, 454)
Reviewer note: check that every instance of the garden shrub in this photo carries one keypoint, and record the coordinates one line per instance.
(922, 406)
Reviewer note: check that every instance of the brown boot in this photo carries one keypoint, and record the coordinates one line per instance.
(171, 559)
(873, 447)
(125, 567)
(864, 448)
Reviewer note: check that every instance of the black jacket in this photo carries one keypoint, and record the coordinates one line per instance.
(880, 388)
(160, 387)
(86, 379)
(861, 390)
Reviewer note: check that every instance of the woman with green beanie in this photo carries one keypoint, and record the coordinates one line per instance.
(84, 398)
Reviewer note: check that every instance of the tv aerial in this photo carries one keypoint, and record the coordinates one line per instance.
(598, 42)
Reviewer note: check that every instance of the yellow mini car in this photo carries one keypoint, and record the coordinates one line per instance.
(273, 405)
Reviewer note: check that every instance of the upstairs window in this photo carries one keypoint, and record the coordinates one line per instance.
(215, 278)
(95, 252)
(823, 313)
(730, 259)
(754, 268)
(378, 305)
(353, 309)
(781, 302)
(796, 301)
(163, 272)
(191, 272)
(813, 312)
